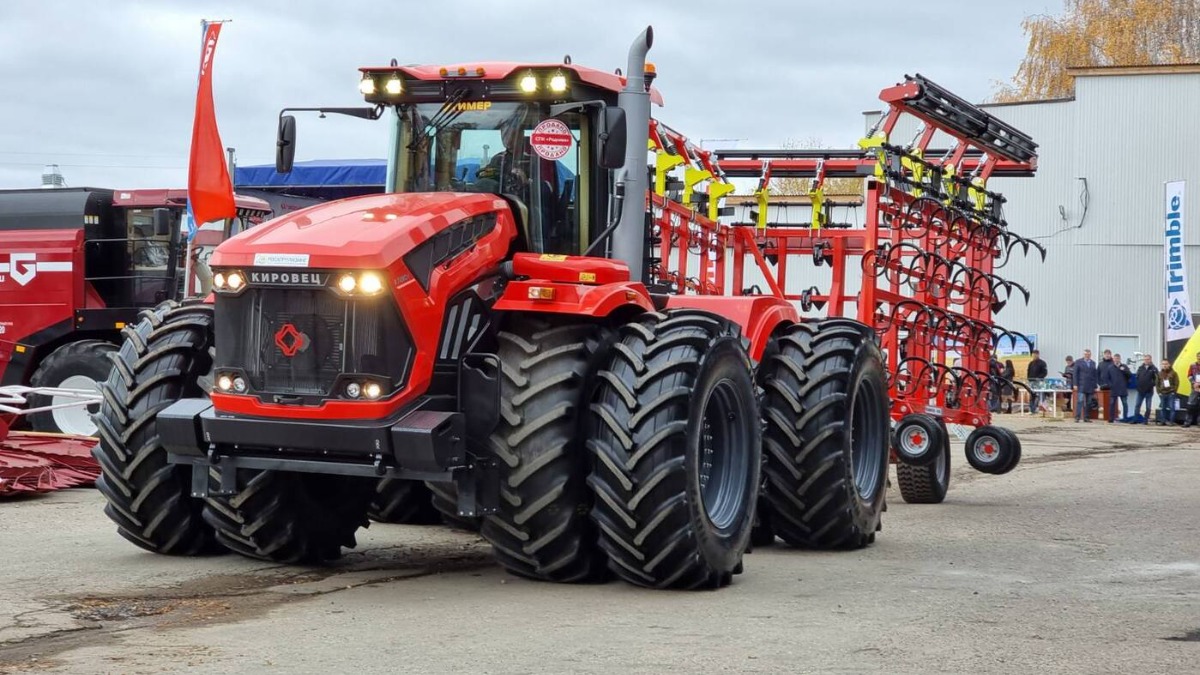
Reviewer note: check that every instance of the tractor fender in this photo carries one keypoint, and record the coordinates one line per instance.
(573, 298)
(758, 315)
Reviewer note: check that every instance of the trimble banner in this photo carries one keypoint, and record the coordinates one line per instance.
(1179, 307)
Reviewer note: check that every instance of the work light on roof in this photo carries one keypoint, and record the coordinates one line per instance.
(394, 86)
(558, 82)
(366, 85)
(528, 83)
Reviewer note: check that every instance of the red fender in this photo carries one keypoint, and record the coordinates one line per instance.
(758, 315)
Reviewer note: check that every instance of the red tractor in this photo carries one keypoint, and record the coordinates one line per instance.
(485, 324)
(76, 266)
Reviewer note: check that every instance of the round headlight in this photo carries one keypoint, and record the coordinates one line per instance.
(347, 283)
(372, 390)
(239, 385)
(528, 84)
(352, 390)
(370, 283)
(219, 280)
(224, 383)
(235, 281)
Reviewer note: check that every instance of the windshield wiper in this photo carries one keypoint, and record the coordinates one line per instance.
(441, 119)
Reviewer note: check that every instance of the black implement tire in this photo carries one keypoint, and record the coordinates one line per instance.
(445, 501)
(1016, 449)
(166, 356)
(927, 484)
(763, 533)
(75, 365)
(991, 450)
(826, 440)
(407, 502)
(918, 439)
(289, 517)
(676, 441)
(541, 530)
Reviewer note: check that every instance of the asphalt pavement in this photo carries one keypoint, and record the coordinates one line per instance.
(1084, 559)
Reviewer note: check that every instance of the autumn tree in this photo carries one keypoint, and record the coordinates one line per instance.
(834, 187)
(1101, 33)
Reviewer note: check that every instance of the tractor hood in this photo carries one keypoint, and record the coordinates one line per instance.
(369, 232)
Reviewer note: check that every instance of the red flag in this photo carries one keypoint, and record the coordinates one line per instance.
(210, 191)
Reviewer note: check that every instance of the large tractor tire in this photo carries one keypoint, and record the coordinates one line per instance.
(407, 502)
(676, 441)
(166, 356)
(927, 483)
(827, 435)
(541, 530)
(445, 501)
(288, 517)
(75, 365)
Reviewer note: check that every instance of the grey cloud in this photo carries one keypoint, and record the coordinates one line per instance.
(106, 89)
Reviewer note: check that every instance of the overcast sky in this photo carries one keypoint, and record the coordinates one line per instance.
(106, 89)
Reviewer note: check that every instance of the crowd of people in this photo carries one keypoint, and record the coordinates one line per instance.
(1085, 378)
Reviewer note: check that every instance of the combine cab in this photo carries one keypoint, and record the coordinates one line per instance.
(499, 323)
(76, 266)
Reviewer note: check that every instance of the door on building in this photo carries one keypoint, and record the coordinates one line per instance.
(1125, 345)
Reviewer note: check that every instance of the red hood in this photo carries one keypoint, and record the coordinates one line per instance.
(369, 232)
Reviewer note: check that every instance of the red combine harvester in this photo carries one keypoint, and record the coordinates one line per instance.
(500, 320)
(76, 266)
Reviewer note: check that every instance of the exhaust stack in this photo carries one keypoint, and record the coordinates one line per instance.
(629, 241)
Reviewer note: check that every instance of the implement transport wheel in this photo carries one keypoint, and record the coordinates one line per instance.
(407, 502)
(826, 440)
(289, 517)
(445, 502)
(927, 484)
(76, 365)
(677, 446)
(166, 356)
(993, 450)
(918, 439)
(541, 530)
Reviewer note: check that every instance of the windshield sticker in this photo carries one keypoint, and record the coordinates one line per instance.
(551, 139)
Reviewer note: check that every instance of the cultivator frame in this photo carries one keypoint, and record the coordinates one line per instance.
(928, 254)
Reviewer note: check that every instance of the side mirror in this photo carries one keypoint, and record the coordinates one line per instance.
(285, 144)
(162, 222)
(612, 138)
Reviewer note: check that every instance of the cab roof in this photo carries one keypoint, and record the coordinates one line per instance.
(500, 70)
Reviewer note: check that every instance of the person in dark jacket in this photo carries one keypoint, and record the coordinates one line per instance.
(996, 371)
(1193, 402)
(1116, 380)
(1007, 391)
(1033, 374)
(1068, 375)
(1168, 387)
(1084, 380)
(1147, 375)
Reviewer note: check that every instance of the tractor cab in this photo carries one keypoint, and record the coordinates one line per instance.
(543, 136)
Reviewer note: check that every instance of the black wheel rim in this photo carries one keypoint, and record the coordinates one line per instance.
(722, 467)
(866, 437)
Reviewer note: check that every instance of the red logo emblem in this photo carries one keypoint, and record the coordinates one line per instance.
(290, 340)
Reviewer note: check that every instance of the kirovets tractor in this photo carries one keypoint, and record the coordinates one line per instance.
(486, 324)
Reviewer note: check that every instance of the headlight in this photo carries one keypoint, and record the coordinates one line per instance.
(393, 86)
(224, 383)
(370, 283)
(372, 390)
(239, 385)
(235, 281)
(528, 83)
(347, 283)
(219, 281)
(367, 85)
(558, 83)
(353, 390)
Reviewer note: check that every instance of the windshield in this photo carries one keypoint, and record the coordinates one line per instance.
(507, 148)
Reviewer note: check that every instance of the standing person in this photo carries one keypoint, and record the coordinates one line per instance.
(1034, 374)
(996, 371)
(1068, 374)
(1118, 388)
(1193, 402)
(1147, 376)
(1007, 391)
(1168, 385)
(1102, 369)
(1084, 380)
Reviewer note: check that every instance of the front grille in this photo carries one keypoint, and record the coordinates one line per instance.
(299, 342)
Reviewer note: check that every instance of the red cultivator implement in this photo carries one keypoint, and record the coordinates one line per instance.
(922, 269)
(41, 462)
